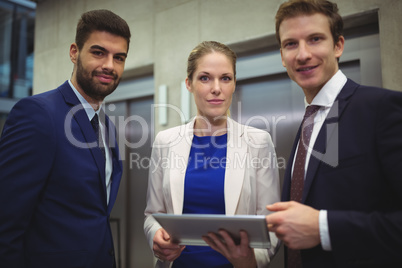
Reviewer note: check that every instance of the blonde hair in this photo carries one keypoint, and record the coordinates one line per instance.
(205, 48)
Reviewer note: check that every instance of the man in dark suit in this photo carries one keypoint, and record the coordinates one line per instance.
(60, 172)
(342, 192)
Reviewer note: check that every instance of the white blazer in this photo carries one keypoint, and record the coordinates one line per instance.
(251, 177)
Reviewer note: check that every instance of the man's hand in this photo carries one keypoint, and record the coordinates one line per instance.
(297, 225)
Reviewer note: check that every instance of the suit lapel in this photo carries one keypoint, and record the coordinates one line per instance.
(327, 145)
(179, 154)
(116, 162)
(77, 111)
(236, 157)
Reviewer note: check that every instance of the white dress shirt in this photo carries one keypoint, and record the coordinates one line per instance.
(325, 98)
(91, 113)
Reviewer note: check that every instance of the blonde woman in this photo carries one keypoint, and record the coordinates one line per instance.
(212, 165)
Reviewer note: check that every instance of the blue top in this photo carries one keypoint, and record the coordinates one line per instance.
(204, 194)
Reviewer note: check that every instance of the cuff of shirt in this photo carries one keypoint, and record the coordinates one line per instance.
(324, 231)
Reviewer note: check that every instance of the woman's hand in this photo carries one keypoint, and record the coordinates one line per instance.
(240, 255)
(164, 249)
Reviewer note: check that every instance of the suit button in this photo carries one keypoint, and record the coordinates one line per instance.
(111, 252)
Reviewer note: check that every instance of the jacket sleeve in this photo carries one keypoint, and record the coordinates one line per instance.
(376, 234)
(267, 188)
(155, 202)
(26, 154)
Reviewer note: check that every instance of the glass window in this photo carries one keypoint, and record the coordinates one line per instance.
(6, 14)
(17, 23)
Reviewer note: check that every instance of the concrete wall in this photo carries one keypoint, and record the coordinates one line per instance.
(165, 31)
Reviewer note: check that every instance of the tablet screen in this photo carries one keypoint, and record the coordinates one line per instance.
(188, 229)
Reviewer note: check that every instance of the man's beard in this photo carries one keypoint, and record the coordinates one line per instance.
(91, 88)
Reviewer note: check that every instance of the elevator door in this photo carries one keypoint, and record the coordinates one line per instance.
(130, 108)
(134, 126)
(138, 135)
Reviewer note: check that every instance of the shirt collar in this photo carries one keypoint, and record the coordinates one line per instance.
(328, 93)
(88, 108)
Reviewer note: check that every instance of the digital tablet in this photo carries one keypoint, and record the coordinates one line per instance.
(188, 229)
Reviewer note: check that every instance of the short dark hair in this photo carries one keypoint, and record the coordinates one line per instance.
(101, 20)
(293, 8)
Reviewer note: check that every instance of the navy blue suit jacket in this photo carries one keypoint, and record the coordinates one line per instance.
(53, 208)
(357, 176)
